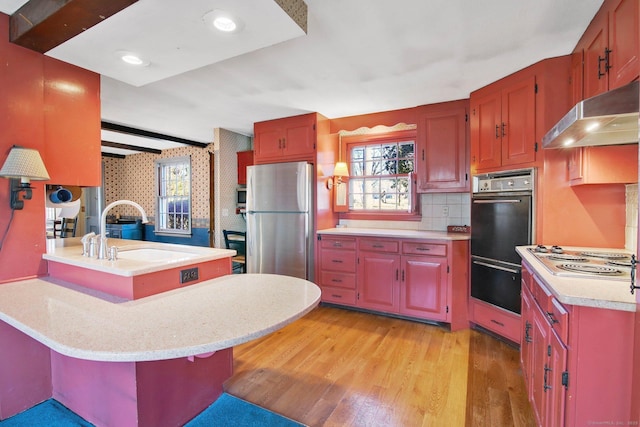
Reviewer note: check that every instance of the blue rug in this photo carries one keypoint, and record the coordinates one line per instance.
(226, 411)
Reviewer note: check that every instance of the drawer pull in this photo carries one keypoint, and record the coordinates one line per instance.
(337, 261)
(420, 248)
(336, 280)
(337, 244)
(551, 317)
(378, 246)
(336, 296)
(497, 323)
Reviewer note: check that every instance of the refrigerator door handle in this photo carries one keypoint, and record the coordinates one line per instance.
(497, 267)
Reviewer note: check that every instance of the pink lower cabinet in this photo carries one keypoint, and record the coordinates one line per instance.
(424, 279)
(337, 272)
(575, 359)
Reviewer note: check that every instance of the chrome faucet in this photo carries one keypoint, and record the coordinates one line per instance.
(102, 250)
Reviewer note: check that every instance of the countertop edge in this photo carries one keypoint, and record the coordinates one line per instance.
(395, 233)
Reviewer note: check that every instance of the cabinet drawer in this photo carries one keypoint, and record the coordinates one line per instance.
(340, 280)
(542, 295)
(432, 249)
(339, 295)
(373, 245)
(338, 260)
(495, 319)
(527, 276)
(559, 318)
(334, 243)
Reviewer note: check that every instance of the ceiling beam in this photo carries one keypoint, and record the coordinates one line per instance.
(148, 134)
(41, 25)
(115, 156)
(130, 147)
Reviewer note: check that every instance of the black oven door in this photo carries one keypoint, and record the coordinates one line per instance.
(496, 283)
(499, 223)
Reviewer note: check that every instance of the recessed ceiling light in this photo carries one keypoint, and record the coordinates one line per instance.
(224, 22)
(132, 58)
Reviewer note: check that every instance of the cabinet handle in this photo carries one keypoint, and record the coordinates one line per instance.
(377, 246)
(546, 384)
(337, 261)
(337, 245)
(421, 248)
(423, 154)
(279, 143)
(403, 275)
(527, 328)
(607, 65)
(552, 319)
(497, 323)
(497, 131)
(504, 129)
(336, 280)
(336, 296)
(396, 274)
(284, 143)
(604, 59)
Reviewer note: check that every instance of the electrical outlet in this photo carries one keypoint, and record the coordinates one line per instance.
(189, 275)
(445, 211)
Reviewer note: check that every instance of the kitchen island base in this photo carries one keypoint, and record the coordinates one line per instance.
(155, 393)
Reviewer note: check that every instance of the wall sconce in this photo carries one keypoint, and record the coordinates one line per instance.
(339, 171)
(21, 166)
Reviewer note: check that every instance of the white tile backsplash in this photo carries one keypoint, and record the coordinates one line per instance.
(631, 228)
(433, 218)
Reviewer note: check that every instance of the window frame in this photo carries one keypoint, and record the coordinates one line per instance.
(159, 164)
(348, 142)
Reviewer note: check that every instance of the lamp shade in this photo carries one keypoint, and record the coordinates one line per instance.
(341, 169)
(24, 163)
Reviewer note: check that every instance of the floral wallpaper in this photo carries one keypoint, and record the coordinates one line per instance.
(132, 178)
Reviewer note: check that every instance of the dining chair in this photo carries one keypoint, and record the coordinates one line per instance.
(236, 240)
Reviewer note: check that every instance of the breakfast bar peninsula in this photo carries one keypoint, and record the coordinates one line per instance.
(157, 360)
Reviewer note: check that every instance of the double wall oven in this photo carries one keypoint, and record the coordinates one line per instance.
(502, 217)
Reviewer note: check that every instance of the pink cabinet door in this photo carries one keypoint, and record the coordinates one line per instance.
(540, 331)
(423, 287)
(378, 278)
(556, 391)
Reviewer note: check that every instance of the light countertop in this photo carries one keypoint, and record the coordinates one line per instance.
(599, 293)
(69, 251)
(397, 233)
(209, 316)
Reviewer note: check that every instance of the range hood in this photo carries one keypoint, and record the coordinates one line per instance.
(610, 118)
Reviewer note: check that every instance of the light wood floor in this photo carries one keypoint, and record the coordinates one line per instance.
(338, 367)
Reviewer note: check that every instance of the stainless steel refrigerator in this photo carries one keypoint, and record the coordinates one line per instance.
(280, 219)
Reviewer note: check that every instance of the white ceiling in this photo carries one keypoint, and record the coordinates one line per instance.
(358, 56)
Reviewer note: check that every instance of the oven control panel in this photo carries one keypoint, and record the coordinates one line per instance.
(493, 183)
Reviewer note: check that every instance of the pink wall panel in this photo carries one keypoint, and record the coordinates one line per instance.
(21, 123)
(587, 215)
(25, 372)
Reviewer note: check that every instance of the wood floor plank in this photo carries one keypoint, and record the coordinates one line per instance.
(338, 367)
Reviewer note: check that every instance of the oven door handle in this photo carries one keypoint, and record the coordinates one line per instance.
(497, 267)
(498, 201)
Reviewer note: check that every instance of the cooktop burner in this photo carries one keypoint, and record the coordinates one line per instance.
(607, 255)
(604, 264)
(591, 269)
(566, 257)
